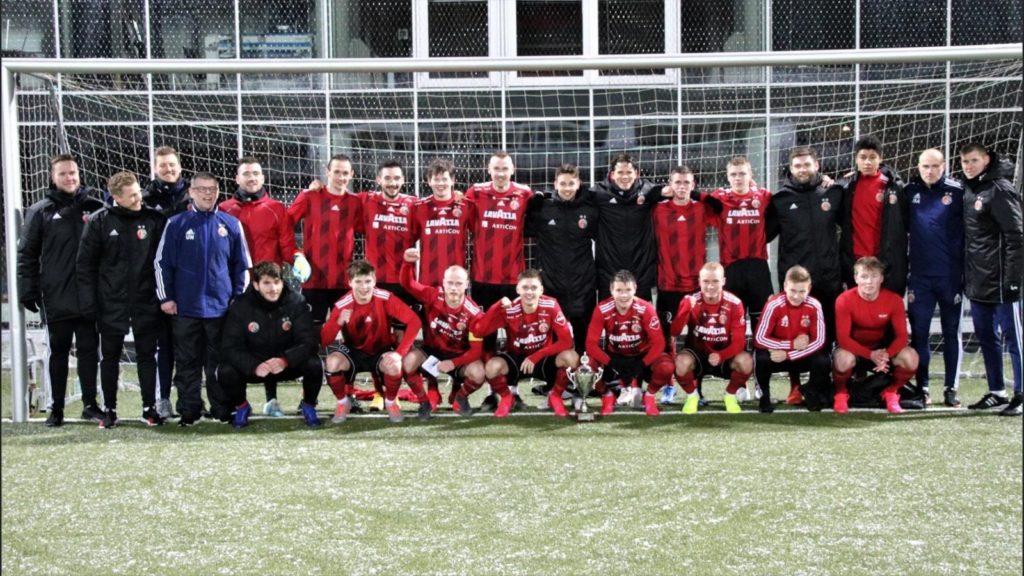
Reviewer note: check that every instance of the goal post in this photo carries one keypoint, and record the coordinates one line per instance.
(668, 122)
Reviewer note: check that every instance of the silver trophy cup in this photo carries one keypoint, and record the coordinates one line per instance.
(583, 380)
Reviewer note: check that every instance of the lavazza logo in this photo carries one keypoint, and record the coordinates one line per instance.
(509, 217)
(390, 222)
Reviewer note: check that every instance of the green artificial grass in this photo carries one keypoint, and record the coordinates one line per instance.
(932, 492)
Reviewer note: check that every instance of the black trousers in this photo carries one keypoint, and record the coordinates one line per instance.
(87, 344)
(165, 358)
(111, 345)
(819, 365)
(486, 295)
(233, 381)
(197, 351)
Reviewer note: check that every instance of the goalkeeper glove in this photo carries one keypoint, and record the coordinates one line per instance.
(301, 268)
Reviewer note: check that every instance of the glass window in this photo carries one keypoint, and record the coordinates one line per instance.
(722, 27)
(27, 30)
(986, 22)
(458, 28)
(279, 29)
(549, 28)
(631, 27)
(372, 29)
(195, 30)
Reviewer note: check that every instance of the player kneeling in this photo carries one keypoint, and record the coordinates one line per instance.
(790, 338)
(539, 342)
(871, 334)
(716, 336)
(634, 346)
(268, 337)
(364, 316)
(448, 343)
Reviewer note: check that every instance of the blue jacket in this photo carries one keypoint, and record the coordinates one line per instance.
(936, 229)
(202, 263)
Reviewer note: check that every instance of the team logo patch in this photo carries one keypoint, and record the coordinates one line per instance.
(457, 212)
(543, 328)
(253, 327)
(826, 206)
(947, 199)
(403, 210)
(460, 326)
(635, 328)
(286, 325)
(640, 199)
(878, 197)
(582, 222)
(978, 204)
(723, 318)
(141, 233)
(85, 217)
(805, 321)
(892, 198)
(756, 203)
(514, 205)
(222, 231)
(784, 322)
(910, 296)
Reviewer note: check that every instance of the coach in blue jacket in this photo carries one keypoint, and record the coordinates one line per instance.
(936, 262)
(201, 265)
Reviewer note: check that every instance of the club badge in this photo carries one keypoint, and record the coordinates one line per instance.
(892, 198)
(805, 321)
(514, 204)
(582, 223)
(543, 328)
(978, 205)
(878, 197)
(404, 210)
(947, 200)
(222, 231)
(286, 325)
(826, 206)
(460, 326)
(756, 203)
(640, 199)
(457, 212)
(141, 233)
(910, 296)
(253, 327)
(723, 318)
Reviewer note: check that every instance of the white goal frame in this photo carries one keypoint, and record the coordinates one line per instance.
(11, 159)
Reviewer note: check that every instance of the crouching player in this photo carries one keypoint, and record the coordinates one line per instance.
(790, 338)
(446, 337)
(634, 346)
(539, 341)
(871, 335)
(268, 337)
(364, 316)
(716, 335)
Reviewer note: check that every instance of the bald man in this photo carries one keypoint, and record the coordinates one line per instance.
(936, 263)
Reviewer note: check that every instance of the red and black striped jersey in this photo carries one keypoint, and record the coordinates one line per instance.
(329, 224)
(741, 225)
(497, 222)
(448, 330)
(635, 333)
(368, 328)
(720, 327)
(387, 230)
(441, 227)
(541, 333)
(680, 231)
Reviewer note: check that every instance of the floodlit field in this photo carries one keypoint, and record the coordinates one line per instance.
(933, 492)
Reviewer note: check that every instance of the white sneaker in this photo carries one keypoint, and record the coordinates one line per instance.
(625, 396)
(638, 398)
(163, 408)
(272, 408)
(742, 395)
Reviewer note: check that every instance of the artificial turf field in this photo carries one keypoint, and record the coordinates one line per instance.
(931, 492)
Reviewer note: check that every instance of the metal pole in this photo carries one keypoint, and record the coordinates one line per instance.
(12, 191)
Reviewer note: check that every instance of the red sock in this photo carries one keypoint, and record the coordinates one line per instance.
(391, 385)
(901, 376)
(840, 379)
(499, 385)
(415, 381)
(431, 383)
(661, 374)
(561, 383)
(737, 380)
(338, 385)
(468, 387)
(687, 383)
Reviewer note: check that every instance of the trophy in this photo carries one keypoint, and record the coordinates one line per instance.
(583, 380)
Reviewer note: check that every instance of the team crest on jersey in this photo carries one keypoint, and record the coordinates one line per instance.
(85, 216)
(756, 203)
(460, 326)
(141, 233)
(543, 328)
(947, 199)
(286, 324)
(582, 223)
(878, 197)
(635, 327)
(784, 322)
(190, 234)
(892, 198)
(826, 206)
(640, 199)
(222, 231)
(805, 321)
(723, 317)
(253, 327)
(457, 212)
(916, 199)
(514, 204)
(978, 204)
(910, 296)
(404, 210)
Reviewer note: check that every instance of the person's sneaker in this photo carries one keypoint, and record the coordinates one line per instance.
(341, 410)
(892, 403)
(732, 405)
(517, 403)
(185, 421)
(541, 390)
(1014, 407)
(490, 403)
(625, 396)
(989, 400)
(607, 404)
(273, 409)
(557, 405)
(692, 404)
(357, 406)
(504, 406)
(92, 412)
(377, 404)
(795, 398)
(434, 398)
(927, 394)
(242, 413)
(309, 415)
(765, 406)
(151, 417)
(163, 408)
(56, 418)
(841, 403)
(425, 410)
(109, 420)
(742, 395)
(668, 394)
(638, 398)
(950, 398)
(650, 405)
(462, 406)
(395, 412)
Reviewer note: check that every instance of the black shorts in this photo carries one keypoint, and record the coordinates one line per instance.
(625, 368)
(751, 281)
(702, 367)
(544, 370)
(359, 361)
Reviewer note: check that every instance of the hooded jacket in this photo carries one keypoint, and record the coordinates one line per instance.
(565, 231)
(994, 235)
(892, 247)
(48, 251)
(256, 330)
(625, 236)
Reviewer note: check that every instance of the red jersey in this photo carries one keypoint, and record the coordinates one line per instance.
(441, 228)
(386, 225)
(635, 333)
(329, 226)
(863, 326)
(781, 323)
(448, 329)
(268, 231)
(529, 334)
(720, 327)
(868, 195)
(680, 231)
(741, 233)
(369, 327)
(497, 222)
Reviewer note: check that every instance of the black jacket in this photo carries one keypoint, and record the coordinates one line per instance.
(169, 199)
(565, 232)
(892, 248)
(256, 330)
(116, 281)
(994, 263)
(48, 250)
(805, 218)
(625, 234)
